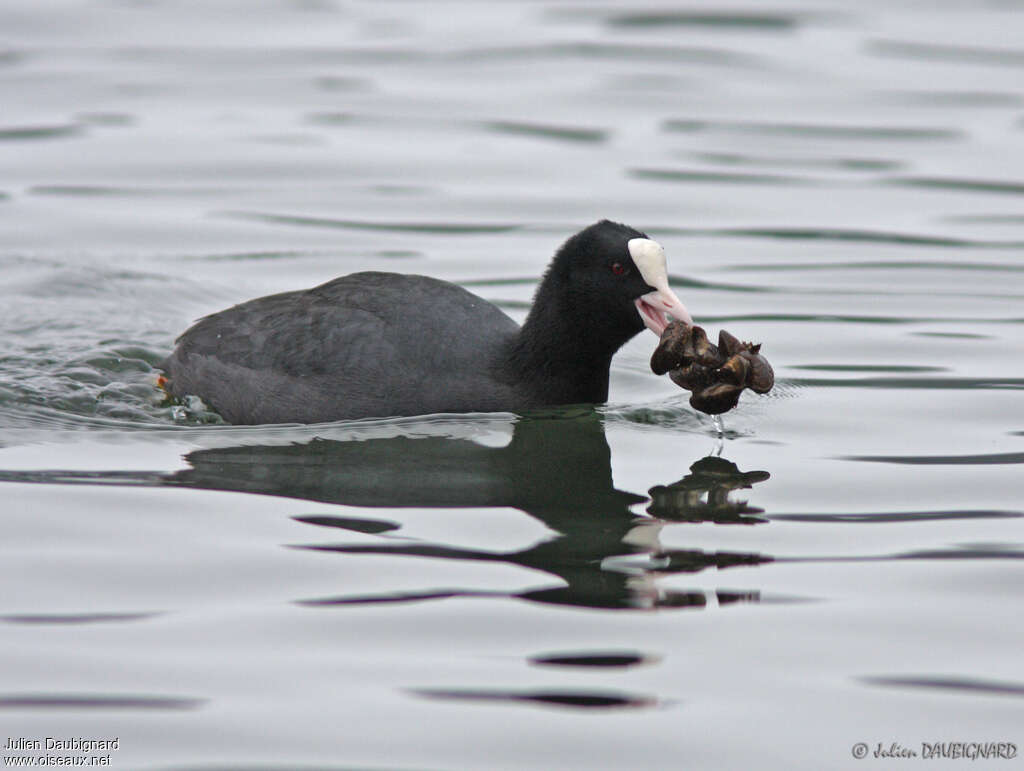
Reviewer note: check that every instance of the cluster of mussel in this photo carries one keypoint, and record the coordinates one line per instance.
(716, 375)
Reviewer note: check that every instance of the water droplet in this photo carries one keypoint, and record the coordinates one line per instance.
(718, 423)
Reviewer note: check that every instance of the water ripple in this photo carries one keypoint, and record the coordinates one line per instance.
(704, 19)
(91, 191)
(22, 133)
(956, 684)
(815, 130)
(355, 524)
(570, 699)
(951, 183)
(95, 701)
(843, 164)
(839, 234)
(986, 219)
(617, 52)
(446, 228)
(999, 267)
(868, 368)
(988, 459)
(672, 175)
(903, 49)
(75, 618)
(939, 383)
(603, 659)
(863, 319)
(544, 131)
(883, 517)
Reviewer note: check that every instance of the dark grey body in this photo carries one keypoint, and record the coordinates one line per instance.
(381, 344)
(360, 345)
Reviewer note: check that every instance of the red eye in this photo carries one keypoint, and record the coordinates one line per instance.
(619, 269)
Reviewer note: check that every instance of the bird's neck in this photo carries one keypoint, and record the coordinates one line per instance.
(558, 361)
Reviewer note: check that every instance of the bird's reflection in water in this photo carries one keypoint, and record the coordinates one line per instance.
(556, 469)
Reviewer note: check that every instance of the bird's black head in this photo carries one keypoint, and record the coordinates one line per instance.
(598, 273)
(603, 286)
(602, 272)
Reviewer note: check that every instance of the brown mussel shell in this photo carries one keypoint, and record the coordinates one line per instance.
(692, 377)
(672, 350)
(762, 376)
(716, 375)
(702, 350)
(716, 399)
(736, 370)
(728, 344)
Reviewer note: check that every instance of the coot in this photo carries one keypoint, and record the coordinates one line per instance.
(380, 344)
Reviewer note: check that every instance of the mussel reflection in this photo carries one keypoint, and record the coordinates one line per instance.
(705, 495)
(556, 469)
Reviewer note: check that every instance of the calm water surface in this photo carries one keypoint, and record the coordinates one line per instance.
(610, 588)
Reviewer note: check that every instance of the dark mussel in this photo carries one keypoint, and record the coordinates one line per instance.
(716, 375)
(717, 398)
(762, 376)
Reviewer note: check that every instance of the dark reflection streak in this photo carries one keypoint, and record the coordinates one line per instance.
(962, 684)
(902, 516)
(689, 176)
(924, 554)
(892, 368)
(76, 477)
(845, 164)
(419, 57)
(844, 319)
(993, 459)
(879, 265)
(601, 660)
(75, 618)
(590, 580)
(722, 57)
(396, 597)
(939, 383)
(855, 236)
(543, 131)
(88, 191)
(986, 219)
(396, 227)
(947, 53)
(820, 131)
(23, 133)
(758, 21)
(952, 335)
(350, 523)
(968, 185)
(947, 99)
(579, 699)
(411, 550)
(93, 702)
(963, 554)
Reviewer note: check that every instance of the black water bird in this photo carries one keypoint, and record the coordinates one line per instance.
(380, 344)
